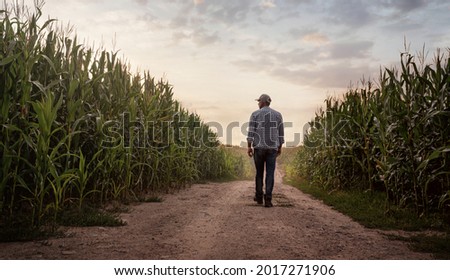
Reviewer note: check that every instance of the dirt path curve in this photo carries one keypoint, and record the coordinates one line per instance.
(221, 221)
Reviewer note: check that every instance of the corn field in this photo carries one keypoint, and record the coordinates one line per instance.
(77, 126)
(392, 137)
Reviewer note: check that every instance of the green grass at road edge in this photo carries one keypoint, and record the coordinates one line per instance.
(369, 209)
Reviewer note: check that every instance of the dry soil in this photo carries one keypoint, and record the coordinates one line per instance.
(221, 221)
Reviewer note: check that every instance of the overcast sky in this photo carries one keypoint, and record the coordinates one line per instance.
(221, 55)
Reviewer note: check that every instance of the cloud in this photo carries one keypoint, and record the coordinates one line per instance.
(142, 2)
(358, 13)
(329, 65)
(299, 57)
(295, 57)
(262, 57)
(267, 4)
(315, 39)
(206, 22)
(231, 12)
(202, 38)
(179, 36)
(297, 33)
(198, 2)
(199, 36)
(354, 13)
(338, 75)
(259, 64)
(346, 50)
(405, 6)
(402, 25)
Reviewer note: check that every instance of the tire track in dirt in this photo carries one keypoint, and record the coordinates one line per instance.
(221, 221)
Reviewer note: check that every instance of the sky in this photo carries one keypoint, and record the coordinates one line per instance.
(221, 55)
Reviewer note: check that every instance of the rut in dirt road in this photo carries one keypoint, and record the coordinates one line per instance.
(221, 221)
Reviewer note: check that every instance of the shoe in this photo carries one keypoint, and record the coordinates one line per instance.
(258, 200)
(268, 202)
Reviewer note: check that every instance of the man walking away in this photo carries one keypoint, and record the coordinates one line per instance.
(265, 138)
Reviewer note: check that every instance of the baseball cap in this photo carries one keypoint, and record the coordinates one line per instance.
(264, 98)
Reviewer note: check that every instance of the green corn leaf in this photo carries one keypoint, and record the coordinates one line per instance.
(9, 59)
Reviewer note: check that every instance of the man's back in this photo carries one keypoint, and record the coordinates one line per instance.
(266, 129)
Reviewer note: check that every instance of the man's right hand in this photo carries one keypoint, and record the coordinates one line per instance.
(250, 152)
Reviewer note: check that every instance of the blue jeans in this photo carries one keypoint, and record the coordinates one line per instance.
(268, 158)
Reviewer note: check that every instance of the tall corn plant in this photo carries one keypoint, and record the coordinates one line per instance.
(391, 138)
(78, 127)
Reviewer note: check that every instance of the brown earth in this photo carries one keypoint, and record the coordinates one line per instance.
(221, 221)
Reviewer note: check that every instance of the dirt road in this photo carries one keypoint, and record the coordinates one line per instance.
(221, 221)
